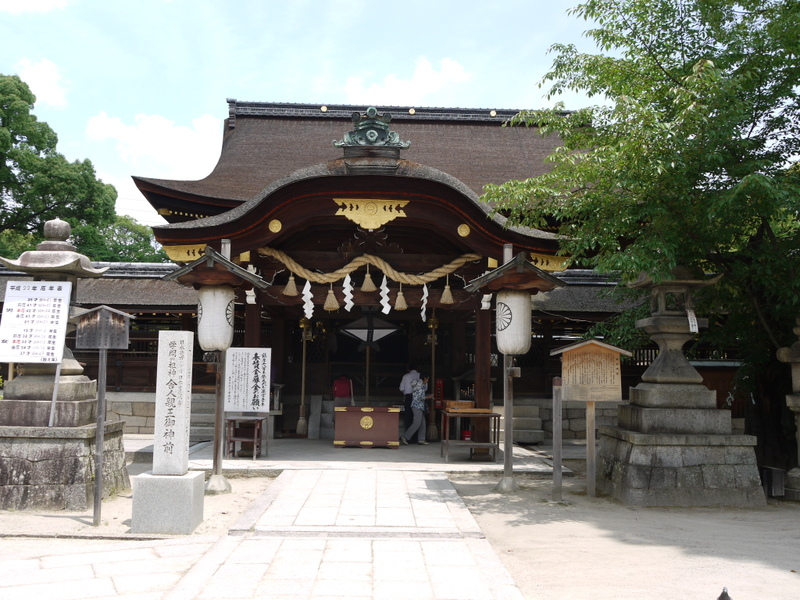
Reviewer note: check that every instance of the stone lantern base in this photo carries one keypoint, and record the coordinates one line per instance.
(673, 447)
(52, 468)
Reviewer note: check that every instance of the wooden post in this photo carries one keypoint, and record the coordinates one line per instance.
(483, 370)
(591, 450)
(99, 436)
(557, 439)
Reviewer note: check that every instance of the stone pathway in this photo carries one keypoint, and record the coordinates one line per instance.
(314, 534)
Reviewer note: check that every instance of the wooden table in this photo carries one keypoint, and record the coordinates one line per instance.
(474, 413)
(245, 429)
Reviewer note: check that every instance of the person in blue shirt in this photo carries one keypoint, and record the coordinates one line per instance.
(419, 398)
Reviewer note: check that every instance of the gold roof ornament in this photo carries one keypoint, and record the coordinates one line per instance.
(368, 213)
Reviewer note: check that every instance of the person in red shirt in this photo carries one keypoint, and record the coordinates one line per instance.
(343, 391)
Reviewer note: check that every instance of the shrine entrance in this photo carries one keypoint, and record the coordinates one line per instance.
(368, 233)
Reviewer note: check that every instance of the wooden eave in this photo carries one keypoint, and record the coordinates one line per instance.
(437, 210)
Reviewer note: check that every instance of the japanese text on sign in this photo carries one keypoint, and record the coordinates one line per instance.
(247, 379)
(34, 321)
(591, 375)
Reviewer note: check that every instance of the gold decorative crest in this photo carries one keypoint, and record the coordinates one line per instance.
(275, 226)
(185, 253)
(550, 263)
(464, 230)
(370, 214)
(366, 422)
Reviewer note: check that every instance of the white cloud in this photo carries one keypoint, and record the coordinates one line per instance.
(157, 147)
(153, 146)
(44, 80)
(16, 7)
(426, 81)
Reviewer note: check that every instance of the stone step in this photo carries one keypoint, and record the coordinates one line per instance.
(202, 419)
(527, 423)
(528, 436)
(528, 411)
(525, 436)
(201, 434)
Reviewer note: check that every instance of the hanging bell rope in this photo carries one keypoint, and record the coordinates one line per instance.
(400, 300)
(367, 259)
(331, 304)
(447, 295)
(368, 285)
(291, 287)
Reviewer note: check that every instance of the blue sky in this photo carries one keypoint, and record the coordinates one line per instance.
(139, 87)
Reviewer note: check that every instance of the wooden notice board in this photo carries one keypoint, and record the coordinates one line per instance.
(590, 371)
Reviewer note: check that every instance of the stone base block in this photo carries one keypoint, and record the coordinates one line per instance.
(167, 503)
(52, 468)
(673, 395)
(36, 413)
(675, 420)
(36, 387)
(641, 469)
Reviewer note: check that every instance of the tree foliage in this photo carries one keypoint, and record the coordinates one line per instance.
(36, 182)
(124, 240)
(688, 160)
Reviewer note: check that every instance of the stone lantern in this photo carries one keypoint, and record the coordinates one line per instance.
(791, 356)
(48, 411)
(672, 445)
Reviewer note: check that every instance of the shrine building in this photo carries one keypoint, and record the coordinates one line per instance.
(350, 213)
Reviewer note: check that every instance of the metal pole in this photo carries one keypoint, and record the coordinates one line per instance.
(507, 483)
(217, 483)
(302, 422)
(55, 396)
(366, 377)
(557, 439)
(591, 450)
(100, 436)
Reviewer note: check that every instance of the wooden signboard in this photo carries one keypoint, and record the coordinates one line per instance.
(590, 371)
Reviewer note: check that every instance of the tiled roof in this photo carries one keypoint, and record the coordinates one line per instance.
(264, 142)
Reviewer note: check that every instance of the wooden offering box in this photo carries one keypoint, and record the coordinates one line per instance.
(366, 427)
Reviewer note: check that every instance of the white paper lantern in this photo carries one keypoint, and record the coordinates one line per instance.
(513, 321)
(215, 317)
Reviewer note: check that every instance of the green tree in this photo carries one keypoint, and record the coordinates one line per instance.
(686, 160)
(36, 182)
(124, 240)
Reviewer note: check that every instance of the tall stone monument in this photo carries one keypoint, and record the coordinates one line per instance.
(47, 414)
(169, 499)
(672, 445)
(792, 356)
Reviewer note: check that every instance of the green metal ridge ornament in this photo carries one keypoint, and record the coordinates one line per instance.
(371, 129)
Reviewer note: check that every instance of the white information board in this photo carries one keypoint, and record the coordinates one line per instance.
(247, 379)
(34, 321)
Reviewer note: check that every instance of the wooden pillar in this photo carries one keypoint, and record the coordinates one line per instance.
(278, 345)
(483, 370)
(252, 326)
(459, 348)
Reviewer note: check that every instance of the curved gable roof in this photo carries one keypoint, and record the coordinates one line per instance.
(265, 141)
(305, 202)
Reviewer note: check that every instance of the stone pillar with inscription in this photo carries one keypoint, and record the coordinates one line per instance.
(169, 499)
(672, 445)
